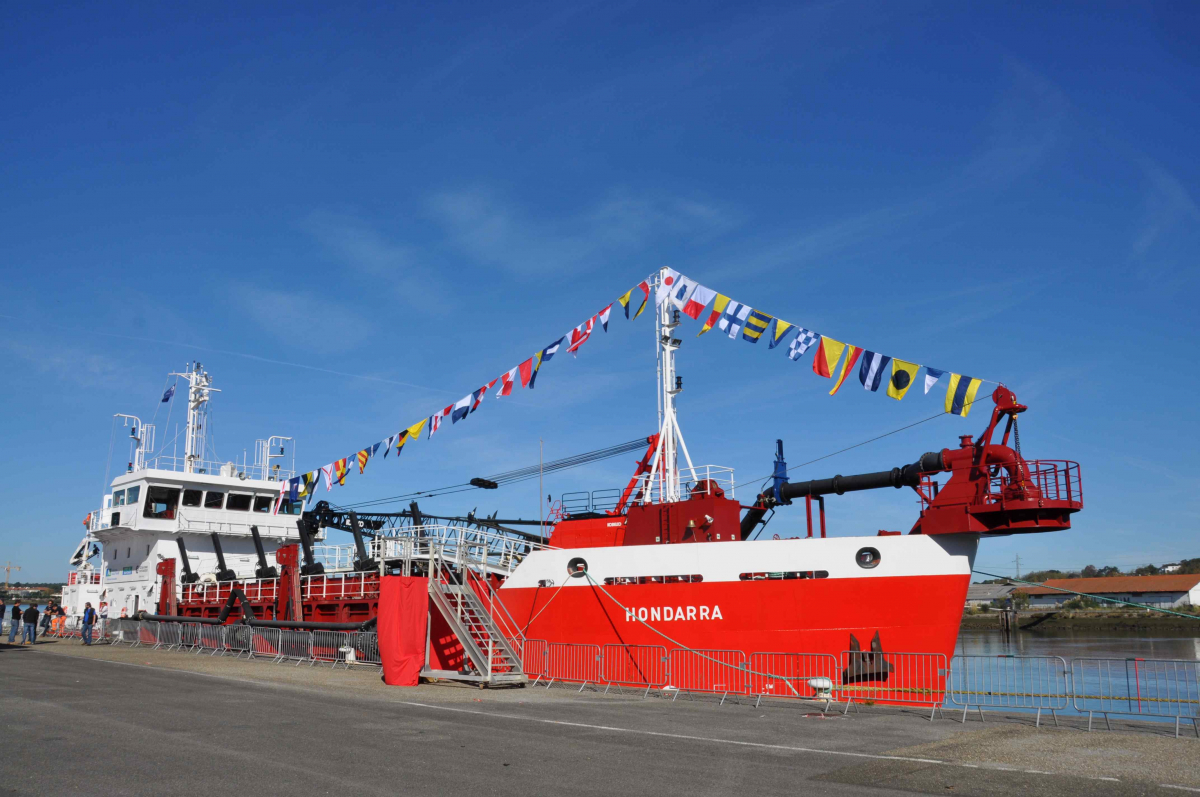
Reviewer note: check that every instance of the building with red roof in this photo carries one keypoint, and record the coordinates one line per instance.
(1161, 591)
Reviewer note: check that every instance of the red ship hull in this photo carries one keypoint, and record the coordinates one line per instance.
(910, 613)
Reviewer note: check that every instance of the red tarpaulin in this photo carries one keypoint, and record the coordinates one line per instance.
(403, 615)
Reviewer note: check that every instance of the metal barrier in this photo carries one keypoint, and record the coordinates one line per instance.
(572, 663)
(264, 643)
(713, 671)
(1141, 687)
(534, 658)
(907, 679)
(169, 636)
(1021, 682)
(210, 639)
(237, 640)
(634, 666)
(126, 631)
(330, 647)
(365, 645)
(189, 636)
(295, 646)
(804, 676)
(147, 633)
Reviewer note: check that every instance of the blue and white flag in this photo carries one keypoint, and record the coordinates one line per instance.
(734, 318)
(167, 396)
(387, 445)
(461, 408)
(932, 375)
(800, 345)
(870, 373)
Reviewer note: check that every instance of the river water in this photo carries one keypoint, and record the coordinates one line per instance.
(1069, 644)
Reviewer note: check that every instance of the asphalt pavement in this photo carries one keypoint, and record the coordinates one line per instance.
(126, 721)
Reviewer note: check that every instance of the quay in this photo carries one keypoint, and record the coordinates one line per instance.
(120, 720)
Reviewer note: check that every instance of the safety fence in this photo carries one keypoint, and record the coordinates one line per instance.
(1036, 683)
(1139, 687)
(1150, 688)
(1147, 688)
(335, 648)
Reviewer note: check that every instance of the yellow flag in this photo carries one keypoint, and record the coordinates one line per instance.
(903, 374)
(826, 359)
(960, 394)
(414, 431)
(718, 308)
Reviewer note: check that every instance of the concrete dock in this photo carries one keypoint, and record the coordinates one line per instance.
(105, 720)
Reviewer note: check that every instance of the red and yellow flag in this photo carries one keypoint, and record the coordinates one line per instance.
(363, 456)
(340, 469)
(719, 306)
(852, 355)
(826, 359)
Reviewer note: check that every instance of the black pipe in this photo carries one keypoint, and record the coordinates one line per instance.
(223, 572)
(188, 576)
(907, 476)
(262, 571)
(363, 563)
(311, 566)
(303, 626)
(755, 514)
(235, 595)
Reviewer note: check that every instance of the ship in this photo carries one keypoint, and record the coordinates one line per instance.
(675, 561)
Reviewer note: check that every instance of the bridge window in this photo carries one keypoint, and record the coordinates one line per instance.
(131, 495)
(238, 502)
(192, 497)
(214, 499)
(787, 575)
(161, 503)
(287, 507)
(118, 498)
(262, 503)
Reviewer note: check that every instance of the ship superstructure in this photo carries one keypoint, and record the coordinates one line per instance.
(164, 498)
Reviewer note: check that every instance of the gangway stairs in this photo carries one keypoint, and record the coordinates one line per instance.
(491, 658)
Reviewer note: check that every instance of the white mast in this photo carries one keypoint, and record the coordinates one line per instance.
(199, 386)
(664, 470)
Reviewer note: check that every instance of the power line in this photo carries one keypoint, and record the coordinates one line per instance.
(515, 476)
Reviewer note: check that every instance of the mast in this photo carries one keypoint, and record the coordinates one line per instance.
(199, 387)
(664, 472)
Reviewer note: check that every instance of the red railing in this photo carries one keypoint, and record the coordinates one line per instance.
(1051, 479)
(73, 578)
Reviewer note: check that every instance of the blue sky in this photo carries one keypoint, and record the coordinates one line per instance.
(355, 215)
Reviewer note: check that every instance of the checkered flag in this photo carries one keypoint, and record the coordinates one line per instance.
(801, 343)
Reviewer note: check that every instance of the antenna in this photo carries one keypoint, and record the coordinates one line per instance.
(664, 468)
(199, 388)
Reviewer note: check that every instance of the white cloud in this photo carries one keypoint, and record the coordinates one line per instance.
(496, 232)
(292, 317)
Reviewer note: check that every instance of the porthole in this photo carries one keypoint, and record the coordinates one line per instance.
(577, 567)
(867, 557)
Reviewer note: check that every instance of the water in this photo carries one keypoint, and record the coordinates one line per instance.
(1070, 644)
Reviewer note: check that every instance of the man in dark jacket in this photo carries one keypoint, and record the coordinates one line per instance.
(14, 623)
(31, 618)
(89, 618)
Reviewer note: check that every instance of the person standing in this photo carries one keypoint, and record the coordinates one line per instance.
(89, 618)
(31, 620)
(3, 611)
(46, 617)
(14, 625)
